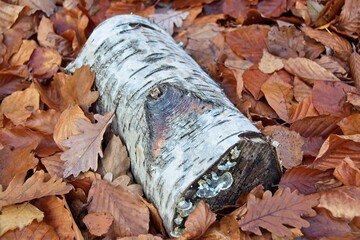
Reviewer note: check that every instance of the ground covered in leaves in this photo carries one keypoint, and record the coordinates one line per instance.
(291, 66)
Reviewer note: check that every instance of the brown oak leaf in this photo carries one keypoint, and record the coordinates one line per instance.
(84, 148)
(274, 212)
(36, 230)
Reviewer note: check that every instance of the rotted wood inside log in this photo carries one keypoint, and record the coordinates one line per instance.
(185, 139)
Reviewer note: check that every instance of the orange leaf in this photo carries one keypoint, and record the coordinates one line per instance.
(279, 95)
(304, 179)
(272, 212)
(20, 104)
(351, 124)
(236, 8)
(24, 53)
(35, 230)
(8, 15)
(45, 28)
(227, 228)
(12, 79)
(342, 202)
(84, 148)
(301, 89)
(131, 216)
(354, 63)
(66, 127)
(269, 63)
(304, 109)
(348, 173)
(43, 121)
(98, 223)
(47, 6)
(272, 8)
(141, 237)
(198, 221)
(349, 18)
(44, 62)
(308, 70)
(248, 41)
(57, 216)
(253, 79)
(335, 149)
(290, 149)
(331, 64)
(17, 161)
(54, 165)
(37, 186)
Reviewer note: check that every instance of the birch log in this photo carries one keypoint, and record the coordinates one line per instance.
(185, 139)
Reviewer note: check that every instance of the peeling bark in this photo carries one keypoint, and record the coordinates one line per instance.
(185, 139)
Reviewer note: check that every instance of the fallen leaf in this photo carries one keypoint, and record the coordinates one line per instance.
(253, 79)
(301, 89)
(304, 179)
(10, 219)
(131, 216)
(35, 230)
(16, 161)
(84, 148)
(308, 70)
(43, 121)
(168, 19)
(312, 146)
(47, 6)
(286, 208)
(19, 106)
(13, 79)
(313, 49)
(57, 215)
(248, 41)
(339, 45)
(98, 223)
(269, 63)
(237, 8)
(301, 10)
(45, 28)
(66, 126)
(323, 225)
(178, 4)
(304, 109)
(335, 149)
(329, 12)
(351, 124)
(116, 159)
(354, 99)
(8, 15)
(290, 149)
(329, 98)
(331, 64)
(24, 53)
(125, 181)
(286, 42)
(141, 237)
(272, 8)
(354, 63)
(37, 186)
(342, 202)
(349, 20)
(347, 172)
(118, 8)
(225, 229)
(314, 9)
(54, 165)
(155, 217)
(198, 221)
(44, 62)
(279, 95)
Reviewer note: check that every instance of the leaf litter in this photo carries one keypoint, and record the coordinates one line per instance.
(291, 66)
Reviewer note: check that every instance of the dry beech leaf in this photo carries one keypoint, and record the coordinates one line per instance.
(24, 53)
(20, 104)
(16, 161)
(272, 8)
(312, 146)
(13, 79)
(225, 229)
(286, 208)
(8, 15)
(125, 181)
(84, 148)
(198, 221)
(76, 88)
(331, 64)
(168, 19)
(253, 79)
(237, 9)
(348, 173)
(116, 159)
(314, 9)
(47, 6)
(354, 99)
(178, 4)
(44, 62)
(98, 223)
(38, 185)
(54, 165)
(279, 95)
(329, 98)
(141, 237)
(155, 217)
(304, 109)
(43, 121)
(290, 149)
(269, 63)
(354, 63)
(325, 226)
(349, 19)
(308, 70)
(36, 230)
(335, 149)
(329, 12)
(304, 179)
(131, 216)
(10, 219)
(351, 124)
(342, 202)
(339, 45)
(57, 215)
(248, 41)
(66, 126)
(45, 28)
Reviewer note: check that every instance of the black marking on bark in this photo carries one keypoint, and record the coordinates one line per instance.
(154, 57)
(161, 68)
(137, 25)
(137, 71)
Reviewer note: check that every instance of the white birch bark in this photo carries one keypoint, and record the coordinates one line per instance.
(177, 124)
